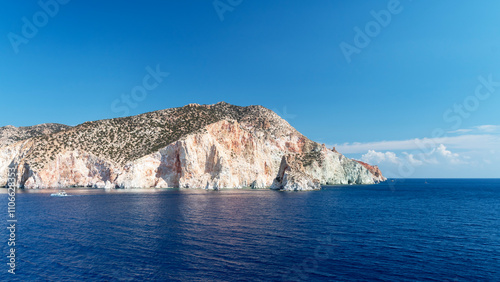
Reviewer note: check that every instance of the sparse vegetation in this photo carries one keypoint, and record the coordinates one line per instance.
(11, 134)
(126, 139)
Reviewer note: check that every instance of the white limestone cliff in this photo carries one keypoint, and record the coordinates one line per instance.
(224, 154)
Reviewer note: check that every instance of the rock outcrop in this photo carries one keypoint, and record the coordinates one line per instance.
(374, 170)
(196, 146)
(321, 166)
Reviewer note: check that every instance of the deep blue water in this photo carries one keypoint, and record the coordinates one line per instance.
(407, 230)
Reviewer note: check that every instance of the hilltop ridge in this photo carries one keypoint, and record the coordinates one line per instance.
(10, 134)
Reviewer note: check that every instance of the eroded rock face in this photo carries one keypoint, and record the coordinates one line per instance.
(71, 168)
(321, 166)
(242, 147)
(292, 175)
(374, 170)
(225, 154)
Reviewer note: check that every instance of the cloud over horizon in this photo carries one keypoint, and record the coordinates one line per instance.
(472, 148)
(438, 155)
(464, 142)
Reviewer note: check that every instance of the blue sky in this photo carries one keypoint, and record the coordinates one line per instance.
(418, 73)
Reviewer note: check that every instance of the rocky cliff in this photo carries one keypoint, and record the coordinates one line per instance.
(373, 169)
(195, 146)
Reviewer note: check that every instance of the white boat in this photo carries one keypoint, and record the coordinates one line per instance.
(60, 194)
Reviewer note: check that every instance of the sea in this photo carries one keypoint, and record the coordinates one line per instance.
(399, 230)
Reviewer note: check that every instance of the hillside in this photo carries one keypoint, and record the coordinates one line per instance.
(10, 134)
(197, 146)
(129, 138)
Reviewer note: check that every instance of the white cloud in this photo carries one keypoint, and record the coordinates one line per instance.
(439, 155)
(447, 155)
(379, 157)
(460, 131)
(473, 152)
(464, 142)
(411, 159)
(489, 128)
